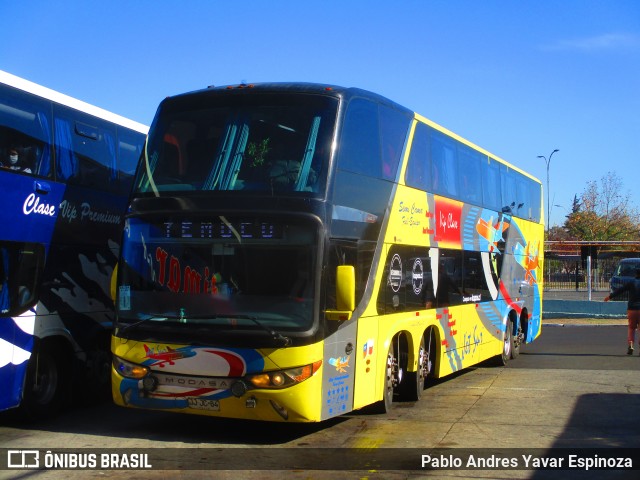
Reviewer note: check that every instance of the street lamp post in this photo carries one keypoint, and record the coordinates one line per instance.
(548, 162)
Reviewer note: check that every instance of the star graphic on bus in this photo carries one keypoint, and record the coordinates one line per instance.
(528, 258)
(492, 233)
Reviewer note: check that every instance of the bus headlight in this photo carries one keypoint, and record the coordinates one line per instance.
(128, 369)
(284, 378)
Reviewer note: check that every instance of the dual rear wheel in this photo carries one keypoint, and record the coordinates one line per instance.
(401, 383)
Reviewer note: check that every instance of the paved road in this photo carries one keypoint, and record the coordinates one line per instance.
(571, 388)
(593, 347)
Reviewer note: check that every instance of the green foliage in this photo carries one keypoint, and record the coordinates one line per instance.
(603, 213)
(257, 152)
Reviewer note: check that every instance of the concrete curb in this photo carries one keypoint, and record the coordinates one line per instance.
(566, 309)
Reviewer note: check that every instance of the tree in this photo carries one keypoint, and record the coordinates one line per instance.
(559, 233)
(603, 213)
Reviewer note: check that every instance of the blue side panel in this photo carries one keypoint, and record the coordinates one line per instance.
(16, 346)
(29, 207)
(29, 213)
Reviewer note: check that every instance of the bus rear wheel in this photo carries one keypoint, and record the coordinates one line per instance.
(413, 383)
(507, 344)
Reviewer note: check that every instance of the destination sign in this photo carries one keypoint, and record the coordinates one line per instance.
(220, 230)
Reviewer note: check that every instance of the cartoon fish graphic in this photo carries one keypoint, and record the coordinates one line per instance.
(340, 363)
(168, 356)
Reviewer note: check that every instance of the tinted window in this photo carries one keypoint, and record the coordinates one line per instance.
(25, 132)
(491, 186)
(418, 173)
(535, 194)
(85, 149)
(508, 183)
(416, 278)
(20, 271)
(474, 282)
(250, 143)
(360, 140)
(130, 146)
(470, 175)
(393, 132)
(444, 165)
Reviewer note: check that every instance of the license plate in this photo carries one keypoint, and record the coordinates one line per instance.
(204, 404)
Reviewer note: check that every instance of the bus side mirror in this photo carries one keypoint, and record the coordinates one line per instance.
(345, 293)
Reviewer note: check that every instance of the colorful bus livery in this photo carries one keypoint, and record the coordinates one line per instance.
(293, 252)
(66, 169)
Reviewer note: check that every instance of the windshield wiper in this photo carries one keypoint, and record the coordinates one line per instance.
(275, 335)
(286, 341)
(150, 317)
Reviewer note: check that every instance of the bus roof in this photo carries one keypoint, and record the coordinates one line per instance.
(44, 92)
(300, 87)
(343, 92)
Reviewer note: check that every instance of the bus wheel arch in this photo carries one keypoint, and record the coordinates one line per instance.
(48, 380)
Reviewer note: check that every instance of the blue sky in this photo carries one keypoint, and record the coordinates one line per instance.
(519, 78)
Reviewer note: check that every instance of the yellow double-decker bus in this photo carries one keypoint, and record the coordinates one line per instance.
(294, 252)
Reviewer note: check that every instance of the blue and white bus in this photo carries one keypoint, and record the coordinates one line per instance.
(66, 169)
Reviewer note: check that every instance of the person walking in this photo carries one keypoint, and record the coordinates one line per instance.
(633, 307)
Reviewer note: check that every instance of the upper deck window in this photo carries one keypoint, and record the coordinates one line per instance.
(372, 139)
(252, 143)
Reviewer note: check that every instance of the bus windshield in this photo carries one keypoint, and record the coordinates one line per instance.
(251, 143)
(227, 276)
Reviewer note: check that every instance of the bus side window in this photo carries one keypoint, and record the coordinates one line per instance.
(444, 164)
(470, 175)
(360, 141)
(393, 132)
(86, 149)
(20, 270)
(129, 150)
(508, 182)
(25, 126)
(418, 169)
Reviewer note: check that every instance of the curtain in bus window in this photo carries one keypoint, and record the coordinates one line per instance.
(66, 162)
(43, 166)
(4, 281)
(111, 148)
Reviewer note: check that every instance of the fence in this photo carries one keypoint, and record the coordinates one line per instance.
(565, 265)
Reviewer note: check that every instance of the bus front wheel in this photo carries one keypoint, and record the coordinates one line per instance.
(46, 382)
(392, 376)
